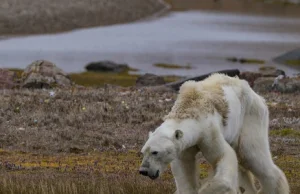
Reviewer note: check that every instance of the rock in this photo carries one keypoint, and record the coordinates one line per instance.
(75, 150)
(269, 71)
(107, 66)
(263, 84)
(7, 79)
(176, 85)
(150, 80)
(284, 85)
(286, 58)
(266, 71)
(288, 85)
(250, 77)
(44, 74)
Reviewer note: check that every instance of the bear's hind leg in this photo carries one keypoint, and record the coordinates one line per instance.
(255, 155)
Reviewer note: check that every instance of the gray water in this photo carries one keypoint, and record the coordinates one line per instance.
(201, 39)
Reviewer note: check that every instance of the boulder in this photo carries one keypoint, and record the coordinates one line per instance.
(283, 85)
(44, 74)
(270, 71)
(177, 84)
(107, 66)
(263, 84)
(150, 80)
(266, 71)
(250, 77)
(7, 79)
(288, 85)
(288, 57)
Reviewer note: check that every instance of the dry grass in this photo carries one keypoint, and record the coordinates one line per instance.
(106, 172)
(42, 182)
(101, 172)
(44, 16)
(85, 119)
(88, 139)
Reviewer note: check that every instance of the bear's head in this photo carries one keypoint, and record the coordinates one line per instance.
(159, 151)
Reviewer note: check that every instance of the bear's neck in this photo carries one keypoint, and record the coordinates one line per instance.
(192, 131)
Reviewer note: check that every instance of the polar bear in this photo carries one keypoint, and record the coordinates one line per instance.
(215, 116)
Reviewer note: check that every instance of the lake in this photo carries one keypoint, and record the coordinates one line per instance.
(203, 39)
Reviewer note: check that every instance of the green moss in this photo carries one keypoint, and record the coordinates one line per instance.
(293, 62)
(171, 78)
(245, 60)
(172, 66)
(99, 79)
(291, 168)
(91, 78)
(286, 132)
(17, 71)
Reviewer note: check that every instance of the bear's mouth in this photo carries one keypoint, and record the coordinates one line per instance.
(153, 177)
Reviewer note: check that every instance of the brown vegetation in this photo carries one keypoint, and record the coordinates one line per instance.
(88, 139)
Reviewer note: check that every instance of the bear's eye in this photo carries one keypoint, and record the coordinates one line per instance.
(154, 153)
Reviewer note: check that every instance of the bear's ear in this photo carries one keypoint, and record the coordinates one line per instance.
(178, 134)
(150, 133)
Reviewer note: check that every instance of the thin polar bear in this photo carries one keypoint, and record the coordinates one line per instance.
(217, 116)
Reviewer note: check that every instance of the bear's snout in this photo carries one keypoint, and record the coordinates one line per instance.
(143, 172)
(155, 176)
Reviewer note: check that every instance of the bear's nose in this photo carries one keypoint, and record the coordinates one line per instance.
(143, 172)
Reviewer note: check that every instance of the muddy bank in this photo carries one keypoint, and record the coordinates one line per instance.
(19, 17)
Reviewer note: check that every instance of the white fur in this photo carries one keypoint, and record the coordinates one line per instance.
(199, 113)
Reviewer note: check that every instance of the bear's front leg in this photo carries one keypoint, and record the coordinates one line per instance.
(217, 186)
(223, 159)
(185, 171)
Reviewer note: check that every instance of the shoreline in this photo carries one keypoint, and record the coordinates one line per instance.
(43, 16)
(164, 7)
(240, 7)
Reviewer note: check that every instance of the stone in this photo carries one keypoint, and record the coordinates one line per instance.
(288, 85)
(250, 77)
(263, 84)
(150, 80)
(283, 85)
(107, 66)
(293, 55)
(44, 74)
(270, 71)
(7, 79)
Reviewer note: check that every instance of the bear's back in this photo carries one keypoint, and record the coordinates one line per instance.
(196, 99)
